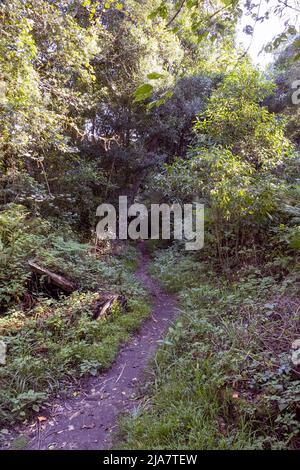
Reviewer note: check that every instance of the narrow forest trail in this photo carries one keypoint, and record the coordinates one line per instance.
(90, 420)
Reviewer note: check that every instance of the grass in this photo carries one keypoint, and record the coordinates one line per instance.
(222, 379)
(57, 342)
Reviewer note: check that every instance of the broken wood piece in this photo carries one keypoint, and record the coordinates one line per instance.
(56, 279)
(105, 302)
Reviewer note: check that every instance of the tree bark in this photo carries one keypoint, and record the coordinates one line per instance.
(105, 302)
(56, 279)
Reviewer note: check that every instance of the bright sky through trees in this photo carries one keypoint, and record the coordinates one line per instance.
(264, 31)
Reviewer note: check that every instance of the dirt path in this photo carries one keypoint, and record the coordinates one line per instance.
(89, 421)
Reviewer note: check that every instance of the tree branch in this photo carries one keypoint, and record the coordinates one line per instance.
(285, 3)
(176, 14)
(252, 35)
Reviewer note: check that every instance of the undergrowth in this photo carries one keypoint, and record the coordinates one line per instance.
(52, 341)
(59, 341)
(224, 378)
(24, 238)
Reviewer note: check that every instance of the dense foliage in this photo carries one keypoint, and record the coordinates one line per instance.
(153, 100)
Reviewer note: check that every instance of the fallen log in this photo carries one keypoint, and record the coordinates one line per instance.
(105, 302)
(56, 279)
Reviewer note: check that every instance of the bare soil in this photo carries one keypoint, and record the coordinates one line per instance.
(90, 420)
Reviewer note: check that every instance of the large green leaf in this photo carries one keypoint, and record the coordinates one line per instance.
(143, 92)
(154, 76)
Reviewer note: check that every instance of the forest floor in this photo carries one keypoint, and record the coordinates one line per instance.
(89, 420)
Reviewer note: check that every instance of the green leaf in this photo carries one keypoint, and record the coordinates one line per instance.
(168, 94)
(143, 92)
(156, 103)
(191, 3)
(297, 57)
(161, 11)
(161, 101)
(154, 76)
(202, 36)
